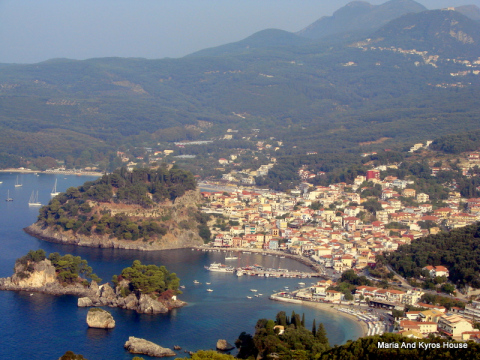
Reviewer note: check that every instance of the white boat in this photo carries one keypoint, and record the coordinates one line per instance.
(209, 290)
(230, 257)
(8, 196)
(196, 282)
(208, 283)
(249, 297)
(253, 290)
(34, 199)
(220, 268)
(17, 183)
(54, 190)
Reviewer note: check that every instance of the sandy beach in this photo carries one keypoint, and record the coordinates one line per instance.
(326, 307)
(333, 308)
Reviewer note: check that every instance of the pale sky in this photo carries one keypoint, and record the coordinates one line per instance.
(36, 30)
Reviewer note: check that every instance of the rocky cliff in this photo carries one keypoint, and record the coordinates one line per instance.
(141, 346)
(178, 218)
(41, 277)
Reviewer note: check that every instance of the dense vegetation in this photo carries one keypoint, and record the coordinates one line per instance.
(295, 342)
(73, 210)
(456, 144)
(296, 92)
(70, 269)
(367, 348)
(458, 251)
(148, 279)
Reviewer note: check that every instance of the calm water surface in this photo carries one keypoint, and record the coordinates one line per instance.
(44, 326)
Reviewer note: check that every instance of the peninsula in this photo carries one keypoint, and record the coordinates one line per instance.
(143, 209)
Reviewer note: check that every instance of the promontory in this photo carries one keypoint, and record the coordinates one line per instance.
(143, 209)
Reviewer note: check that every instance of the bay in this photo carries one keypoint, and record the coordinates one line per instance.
(41, 326)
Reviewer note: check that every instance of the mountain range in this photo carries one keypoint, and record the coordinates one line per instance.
(401, 80)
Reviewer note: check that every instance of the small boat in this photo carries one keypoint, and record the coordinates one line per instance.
(256, 295)
(209, 290)
(196, 282)
(260, 294)
(34, 199)
(182, 286)
(8, 196)
(54, 190)
(208, 283)
(17, 183)
(230, 257)
(249, 297)
(253, 290)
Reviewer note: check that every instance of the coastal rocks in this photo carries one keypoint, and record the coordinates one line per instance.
(141, 346)
(84, 302)
(144, 304)
(100, 319)
(223, 345)
(41, 274)
(147, 305)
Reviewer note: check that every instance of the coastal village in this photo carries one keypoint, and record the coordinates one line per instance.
(330, 226)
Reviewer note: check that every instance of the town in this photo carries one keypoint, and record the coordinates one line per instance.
(331, 227)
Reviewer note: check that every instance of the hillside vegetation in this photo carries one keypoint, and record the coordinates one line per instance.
(126, 205)
(458, 251)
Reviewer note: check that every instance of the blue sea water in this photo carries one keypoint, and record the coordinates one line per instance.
(41, 326)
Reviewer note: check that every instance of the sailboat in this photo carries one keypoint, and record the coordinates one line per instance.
(54, 190)
(34, 199)
(8, 196)
(17, 184)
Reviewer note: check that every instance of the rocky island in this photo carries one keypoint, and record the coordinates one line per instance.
(143, 209)
(147, 289)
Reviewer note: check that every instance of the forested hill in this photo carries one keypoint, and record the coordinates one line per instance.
(359, 16)
(138, 205)
(442, 32)
(143, 187)
(458, 251)
(311, 97)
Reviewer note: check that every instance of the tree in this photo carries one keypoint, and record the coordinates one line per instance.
(321, 335)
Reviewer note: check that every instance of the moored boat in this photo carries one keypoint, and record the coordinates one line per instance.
(217, 267)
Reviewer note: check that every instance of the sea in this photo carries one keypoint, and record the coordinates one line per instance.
(41, 326)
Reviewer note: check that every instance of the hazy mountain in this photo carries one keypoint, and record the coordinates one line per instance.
(309, 96)
(359, 15)
(440, 32)
(472, 11)
(260, 40)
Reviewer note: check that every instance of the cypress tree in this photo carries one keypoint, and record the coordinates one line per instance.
(321, 335)
(303, 320)
(314, 328)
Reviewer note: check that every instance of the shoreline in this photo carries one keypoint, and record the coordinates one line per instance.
(28, 171)
(328, 307)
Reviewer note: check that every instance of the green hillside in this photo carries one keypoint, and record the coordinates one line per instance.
(312, 97)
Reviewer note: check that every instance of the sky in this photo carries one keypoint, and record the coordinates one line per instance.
(32, 31)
